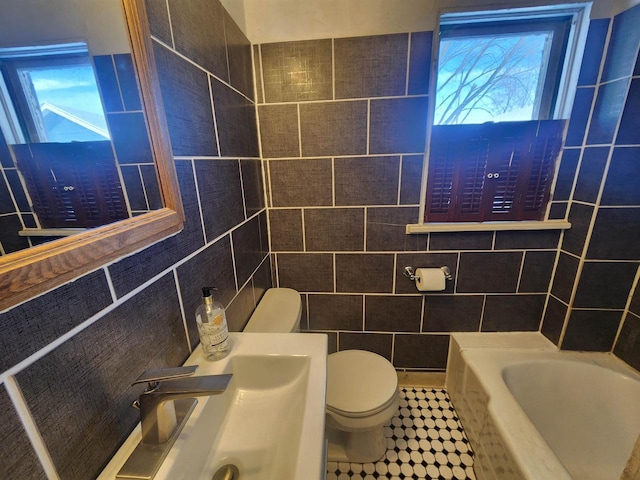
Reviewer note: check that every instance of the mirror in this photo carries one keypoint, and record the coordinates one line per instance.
(33, 140)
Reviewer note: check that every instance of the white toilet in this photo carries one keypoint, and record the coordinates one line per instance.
(362, 387)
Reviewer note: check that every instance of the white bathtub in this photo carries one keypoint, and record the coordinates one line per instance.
(537, 413)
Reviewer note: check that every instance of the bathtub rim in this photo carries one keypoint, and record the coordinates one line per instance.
(533, 455)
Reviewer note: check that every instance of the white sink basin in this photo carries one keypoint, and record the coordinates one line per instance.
(269, 423)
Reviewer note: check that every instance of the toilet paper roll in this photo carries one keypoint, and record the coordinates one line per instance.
(430, 280)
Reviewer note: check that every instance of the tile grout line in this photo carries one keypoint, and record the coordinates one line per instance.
(30, 427)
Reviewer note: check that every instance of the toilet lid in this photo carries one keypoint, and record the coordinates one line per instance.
(359, 382)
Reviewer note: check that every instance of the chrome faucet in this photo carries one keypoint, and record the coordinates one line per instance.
(164, 408)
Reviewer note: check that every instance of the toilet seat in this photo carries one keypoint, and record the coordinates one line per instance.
(360, 383)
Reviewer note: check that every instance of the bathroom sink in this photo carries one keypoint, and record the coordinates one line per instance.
(269, 423)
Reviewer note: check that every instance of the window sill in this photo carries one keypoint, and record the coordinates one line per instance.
(50, 232)
(487, 226)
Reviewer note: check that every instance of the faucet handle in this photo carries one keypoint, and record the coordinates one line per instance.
(155, 375)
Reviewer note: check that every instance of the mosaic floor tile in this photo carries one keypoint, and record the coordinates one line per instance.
(425, 440)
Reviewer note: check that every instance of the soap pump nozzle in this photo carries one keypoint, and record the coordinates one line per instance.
(207, 296)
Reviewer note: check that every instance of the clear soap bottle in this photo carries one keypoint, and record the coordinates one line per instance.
(212, 327)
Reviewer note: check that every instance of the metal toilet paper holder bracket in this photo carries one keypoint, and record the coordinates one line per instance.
(409, 272)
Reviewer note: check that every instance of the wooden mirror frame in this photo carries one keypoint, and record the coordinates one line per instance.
(28, 273)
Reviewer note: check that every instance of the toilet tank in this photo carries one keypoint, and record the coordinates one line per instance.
(279, 311)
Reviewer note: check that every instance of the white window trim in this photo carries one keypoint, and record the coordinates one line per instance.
(563, 107)
(487, 226)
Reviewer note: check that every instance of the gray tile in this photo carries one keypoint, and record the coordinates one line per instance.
(252, 185)
(529, 240)
(379, 343)
(239, 57)
(536, 271)
(159, 20)
(615, 235)
(423, 260)
(213, 267)
(301, 183)
(620, 187)
(627, 347)
(334, 128)
(151, 187)
(332, 342)
(220, 195)
(558, 211)
(198, 30)
(9, 227)
(565, 276)
(236, 122)
(607, 111)
(398, 125)
(27, 328)
(579, 117)
(127, 77)
(580, 218)
(411, 179)
(262, 280)
(596, 288)
(623, 45)
(452, 313)
(627, 131)
(566, 173)
(421, 351)
(591, 330)
(279, 131)
(286, 230)
(420, 62)
(373, 66)
(461, 241)
(95, 369)
(130, 138)
(187, 104)
(247, 250)
(513, 313)
(386, 228)
(596, 38)
(18, 459)
(297, 71)
(488, 272)
(393, 313)
(553, 320)
(367, 180)
(306, 272)
(366, 273)
(591, 173)
(335, 312)
(240, 309)
(133, 185)
(334, 229)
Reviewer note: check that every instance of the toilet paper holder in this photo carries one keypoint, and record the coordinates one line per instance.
(409, 272)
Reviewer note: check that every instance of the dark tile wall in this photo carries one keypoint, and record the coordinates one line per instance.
(138, 313)
(591, 305)
(555, 282)
(344, 145)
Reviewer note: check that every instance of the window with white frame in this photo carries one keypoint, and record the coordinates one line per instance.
(505, 80)
(49, 94)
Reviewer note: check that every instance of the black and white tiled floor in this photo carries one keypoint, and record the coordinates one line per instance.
(424, 441)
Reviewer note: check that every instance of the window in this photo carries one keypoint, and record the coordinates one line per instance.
(503, 79)
(50, 95)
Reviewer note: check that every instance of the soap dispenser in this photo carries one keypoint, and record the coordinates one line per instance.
(212, 326)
